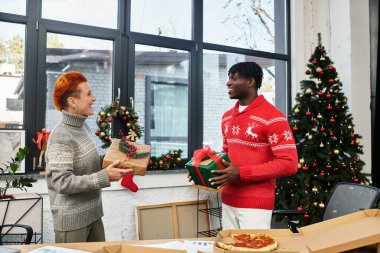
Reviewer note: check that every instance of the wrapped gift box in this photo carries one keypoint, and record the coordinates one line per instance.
(209, 160)
(138, 165)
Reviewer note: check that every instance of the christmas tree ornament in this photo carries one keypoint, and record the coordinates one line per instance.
(302, 160)
(331, 81)
(330, 67)
(332, 120)
(328, 95)
(320, 93)
(315, 189)
(357, 141)
(307, 72)
(314, 164)
(321, 145)
(310, 137)
(308, 113)
(322, 173)
(319, 81)
(314, 61)
(305, 168)
(308, 91)
(329, 107)
(296, 110)
(328, 166)
(295, 128)
(322, 58)
(318, 69)
(102, 113)
(315, 203)
(336, 151)
(331, 133)
(306, 216)
(319, 116)
(321, 205)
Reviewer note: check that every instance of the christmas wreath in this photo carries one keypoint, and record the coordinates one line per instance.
(128, 117)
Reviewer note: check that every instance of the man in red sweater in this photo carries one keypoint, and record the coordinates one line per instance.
(261, 147)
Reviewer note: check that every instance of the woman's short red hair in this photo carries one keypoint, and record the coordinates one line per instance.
(66, 86)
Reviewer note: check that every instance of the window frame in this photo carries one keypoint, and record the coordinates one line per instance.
(124, 62)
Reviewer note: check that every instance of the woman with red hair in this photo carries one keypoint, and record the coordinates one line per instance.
(73, 173)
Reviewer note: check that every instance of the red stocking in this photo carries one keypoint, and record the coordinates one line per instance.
(127, 181)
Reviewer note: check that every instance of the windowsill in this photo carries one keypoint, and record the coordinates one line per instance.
(152, 179)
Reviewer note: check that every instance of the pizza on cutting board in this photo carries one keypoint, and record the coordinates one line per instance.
(248, 242)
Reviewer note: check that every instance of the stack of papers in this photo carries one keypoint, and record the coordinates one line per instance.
(53, 249)
(188, 246)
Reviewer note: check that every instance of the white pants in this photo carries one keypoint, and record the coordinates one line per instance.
(245, 218)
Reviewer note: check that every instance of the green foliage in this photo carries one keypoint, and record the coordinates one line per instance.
(9, 169)
(328, 147)
(166, 161)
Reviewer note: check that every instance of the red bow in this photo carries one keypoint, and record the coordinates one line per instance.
(199, 154)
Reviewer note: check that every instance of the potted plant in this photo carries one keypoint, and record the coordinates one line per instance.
(12, 180)
(19, 208)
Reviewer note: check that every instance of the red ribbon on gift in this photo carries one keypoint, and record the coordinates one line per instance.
(199, 154)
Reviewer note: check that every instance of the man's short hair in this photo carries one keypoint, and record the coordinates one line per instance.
(248, 70)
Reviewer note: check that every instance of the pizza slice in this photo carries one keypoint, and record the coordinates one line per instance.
(248, 242)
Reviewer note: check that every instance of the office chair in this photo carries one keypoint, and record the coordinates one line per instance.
(345, 198)
(28, 229)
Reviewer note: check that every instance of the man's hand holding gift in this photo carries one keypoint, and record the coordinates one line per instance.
(229, 174)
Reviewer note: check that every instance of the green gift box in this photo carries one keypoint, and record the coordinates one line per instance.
(211, 161)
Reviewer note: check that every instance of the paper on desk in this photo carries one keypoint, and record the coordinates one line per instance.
(53, 249)
(188, 246)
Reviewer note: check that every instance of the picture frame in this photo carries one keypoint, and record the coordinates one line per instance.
(10, 142)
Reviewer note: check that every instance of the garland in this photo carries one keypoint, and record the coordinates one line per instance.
(166, 161)
(126, 115)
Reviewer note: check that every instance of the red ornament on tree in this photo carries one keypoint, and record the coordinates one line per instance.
(168, 157)
(306, 216)
(305, 168)
(308, 113)
(322, 174)
(295, 128)
(332, 120)
(322, 129)
(328, 95)
(329, 107)
(314, 61)
(328, 166)
(356, 180)
(331, 80)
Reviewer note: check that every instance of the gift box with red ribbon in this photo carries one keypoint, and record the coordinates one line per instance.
(203, 162)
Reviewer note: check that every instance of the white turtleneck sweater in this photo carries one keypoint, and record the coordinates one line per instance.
(74, 175)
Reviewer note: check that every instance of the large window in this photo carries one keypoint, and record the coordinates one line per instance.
(12, 54)
(101, 13)
(166, 58)
(161, 94)
(252, 24)
(171, 18)
(92, 57)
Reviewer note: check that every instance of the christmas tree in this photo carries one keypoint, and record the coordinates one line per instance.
(328, 147)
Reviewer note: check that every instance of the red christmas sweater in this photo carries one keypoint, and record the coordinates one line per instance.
(260, 143)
